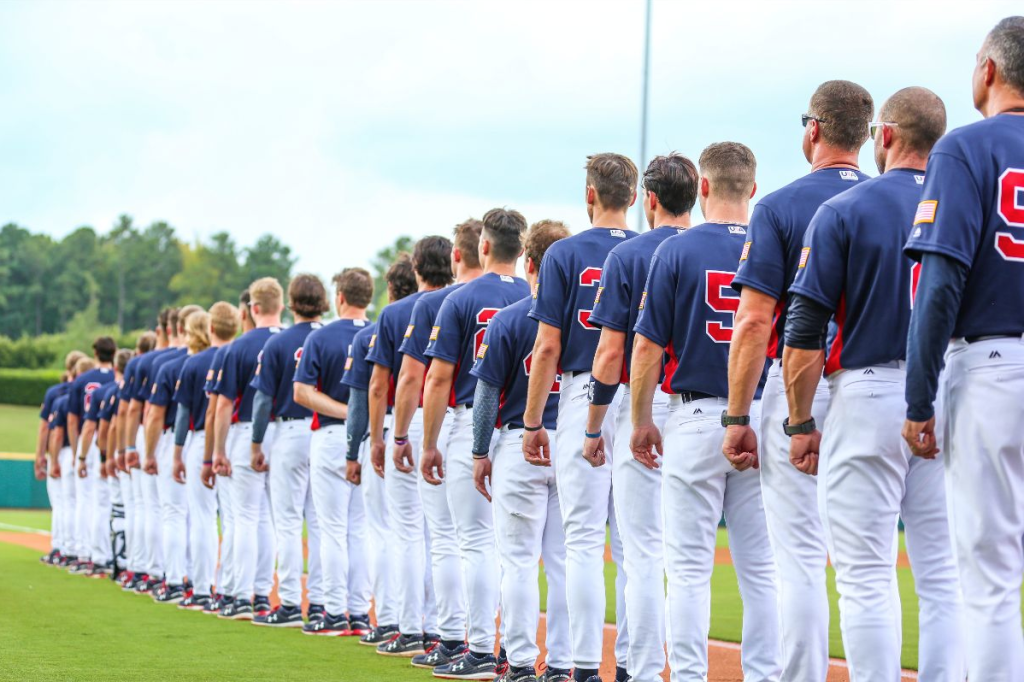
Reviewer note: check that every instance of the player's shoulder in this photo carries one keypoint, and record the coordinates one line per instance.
(513, 311)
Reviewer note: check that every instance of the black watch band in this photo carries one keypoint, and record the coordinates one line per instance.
(729, 420)
(799, 429)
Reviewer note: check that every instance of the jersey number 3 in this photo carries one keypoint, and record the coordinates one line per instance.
(717, 283)
(1011, 210)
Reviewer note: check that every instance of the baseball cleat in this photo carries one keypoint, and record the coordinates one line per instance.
(439, 655)
(195, 602)
(406, 646)
(83, 567)
(66, 560)
(358, 626)
(469, 667)
(239, 609)
(172, 594)
(261, 606)
(621, 675)
(217, 604)
(281, 617)
(315, 611)
(511, 674)
(327, 626)
(49, 558)
(556, 675)
(147, 586)
(379, 635)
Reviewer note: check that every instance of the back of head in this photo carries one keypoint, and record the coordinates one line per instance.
(84, 365)
(1004, 45)
(307, 296)
(224, 320)
(146, 342)
(432, 259)
(266, 293)
(185, 313)
(730, 168)
(173, 316)
(104, 348)
(614, 178)
(919, 115)
(844, 111)
(197, 329)
(467, 240)
(401, 278)
(541, 235)
(122, 358)
(503, 229)
(356, 285)
(72, 358)
(673, 179)
(162, 320)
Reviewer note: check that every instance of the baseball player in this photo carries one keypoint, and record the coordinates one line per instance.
(446, 565)
(253, 542)
(113, 532)
(417, 616)
(207, 332)
(454, 341)
(835, 128)
(686, 311)
(291, 498)
(527, 520)
(339, 503)
(852, 267)
(968, 237)
(62, 469)
(563, 302)
(98, 528)
(670, 191)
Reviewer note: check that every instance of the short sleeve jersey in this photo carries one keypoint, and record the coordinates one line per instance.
(276, 369)
(417, 334)
(235, 377)
(623, 278)
(96, 402)
(128, 381)
(384, 344)
(569, 277)
(82, 389)
(322, 364)
(972, 210)
(59, 417)
(462, 322)
(214, 372)
(775, 237)
(357, 366)
(189, 393)
(504, 360)
(52, 393)
(852, 263)
(164, 385)
(689, 305)
(144, 373)
(108, 401)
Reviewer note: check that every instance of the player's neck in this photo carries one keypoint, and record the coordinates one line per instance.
(424, 288)
(104, 365)
(679, 222)
(602, 217)
(299, 319)
(729, 212)
(347, 312)
(506, 269)
(267, 320)
(216, 342)
(467, 274)
(906, 161)
(829, 157)
(1000, 100)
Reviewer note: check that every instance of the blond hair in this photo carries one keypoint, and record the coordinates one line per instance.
(185, 313)
(72, 358)
(84, 365)
(267, 293)
(197, 328)
(223, 320)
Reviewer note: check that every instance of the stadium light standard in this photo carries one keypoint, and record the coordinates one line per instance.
(641, 218)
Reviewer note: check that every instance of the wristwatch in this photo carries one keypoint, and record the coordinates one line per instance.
(729, 420)
(799, 429)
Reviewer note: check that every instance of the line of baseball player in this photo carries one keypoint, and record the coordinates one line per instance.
(484, 425)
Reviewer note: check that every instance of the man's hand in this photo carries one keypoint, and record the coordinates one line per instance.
(207, 477)
(259, 459)
(429, 461)
(920, 437)
(149, 466)
(132, 459)
(83, 470)
(402, 456)
(221, 464)
(377, 457)
(178, 471)
(645, 444)
(803, 452)
(39, 468)
(482, 475)
(103, 467)
(353, 472)
(119, 462)
(593, 451)
(740, 447)
(55, 468)
(537, 447)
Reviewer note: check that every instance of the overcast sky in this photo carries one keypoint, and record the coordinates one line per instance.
(339, 126)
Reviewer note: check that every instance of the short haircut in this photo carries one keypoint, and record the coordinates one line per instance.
(356, 285)
(173, 315)
(105, 348)
(541, 236)
(844, 110)
(267, 293)
(72, 358)
(432, 259)
(307, 296)
(197, 329)
(224, 320)
(84, 365)
(920, 116)
(122, 358)
(244, 299)
(467, 240)
(613, 177)
(146, 342)
(1004, 45)
(673, 179)
(185, 313)
(730, 168)
(401, 278)
(504, 228)
(162, 319)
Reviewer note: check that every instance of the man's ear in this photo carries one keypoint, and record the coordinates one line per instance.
(753, 190)
(705, 187)
(990, 71)
(633, 201)
(456, 255)
(591, 195)
(530, 266)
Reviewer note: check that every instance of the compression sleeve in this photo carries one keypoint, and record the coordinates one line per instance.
(486, 402)
(358, 421)
(806, 323)
(261, 407)
(181, 420)
(935, 309)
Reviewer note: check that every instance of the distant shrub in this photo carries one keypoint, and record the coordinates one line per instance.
(27, 352)
(26, 386)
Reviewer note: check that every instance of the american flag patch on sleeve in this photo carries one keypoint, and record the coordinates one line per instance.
(746, 250)
(805, 253)
(926, 212)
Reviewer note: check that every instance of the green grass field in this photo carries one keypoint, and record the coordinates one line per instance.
(18, 428)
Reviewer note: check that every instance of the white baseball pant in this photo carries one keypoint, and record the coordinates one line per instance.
(382, 580)
(152, 523)
(137, 519)
(698, 486)
(797, 537)
(68, 474)
(253, 572)
(99, 531)
(342, 519)
(528, 528)
(985, 493)
(291, 500)
(202, 516)
(173, 512)
(85, 505)
(53, 495)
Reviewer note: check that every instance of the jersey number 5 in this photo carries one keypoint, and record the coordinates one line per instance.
(716, 283)
(1011, 210)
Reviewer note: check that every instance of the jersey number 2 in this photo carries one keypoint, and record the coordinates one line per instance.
(483, 318)
(1011, 210)
(590, 277)
(717, 282)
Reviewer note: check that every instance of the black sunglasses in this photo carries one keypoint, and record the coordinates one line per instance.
(807, 118)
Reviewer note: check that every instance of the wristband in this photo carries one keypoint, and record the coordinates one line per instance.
(531, 429)
(599, 393)
(81, 458)
(588, 434)
(401, 440)
(207, 462)
(729, 420)
(481, 455)
(798, 429)
(131, 448)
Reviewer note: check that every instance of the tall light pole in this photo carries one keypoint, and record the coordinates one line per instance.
(641, 222)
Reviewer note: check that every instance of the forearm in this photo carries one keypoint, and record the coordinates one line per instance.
(262, 405)
(436, 390)
(547, 350)
(133, 421)
(486, 403)
(607, 370)
(211, 429)
(407, 393)
(321, 403)
(56, 438)
(802, 371)
(644, 374)
(358, 419)
(154, 422)
(122, 421)
(746, 361)
(87, 437)
(113, 438)
(101, 437)
(42, 439)
(223, 421)
(73, 422)
(378, 401)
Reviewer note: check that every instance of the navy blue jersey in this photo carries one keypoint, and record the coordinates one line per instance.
(384, 344)
(59, 417)
(504, 360)
(358, 366)
(144, 373)
(52, 393)
(972, 211)
(769, 259)
(324, 356)
(623, 278)
(462, 322)
(158, 363)
(108, 401)
(190, 391)
(688, 306)
(276, 369)
(235, 377)
(164, 384)
(92, 413)
(566, 288)
(417, 334)
(853, 264)
(82, 388)
(128, 380)
(213, 374)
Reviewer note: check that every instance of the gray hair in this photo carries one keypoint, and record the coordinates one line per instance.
(1004, 45)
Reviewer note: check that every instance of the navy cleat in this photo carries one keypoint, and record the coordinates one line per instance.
(621, 675)
(327, 626)
(439, 655)
(172, 594)
(195, 602)
(261, 606)
(556, 675)
(469, 667)
(216, 604)
(405, 646)
(281, 617)
(315, 611)
(239, 609)
(379, 635)
(511, 674)
(358, 626)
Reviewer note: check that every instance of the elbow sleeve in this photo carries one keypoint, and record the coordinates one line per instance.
(181, 422)
(486, 402)
(806, 323)
(261, 406)
(357, 422)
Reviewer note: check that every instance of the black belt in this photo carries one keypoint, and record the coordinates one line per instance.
(291, 419)
(989, 337)
(690, 396)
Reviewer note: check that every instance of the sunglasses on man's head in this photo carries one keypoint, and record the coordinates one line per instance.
(807, 118)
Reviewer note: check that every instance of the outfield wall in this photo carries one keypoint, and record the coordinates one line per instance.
(19, 488)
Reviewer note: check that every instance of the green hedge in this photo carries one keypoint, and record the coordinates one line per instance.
(26, 386)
